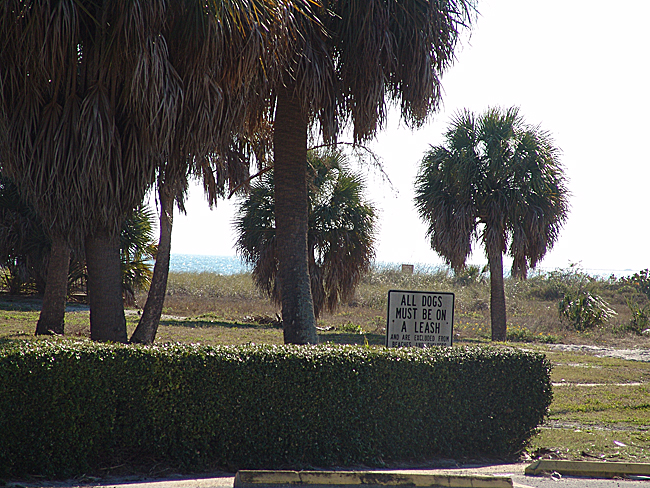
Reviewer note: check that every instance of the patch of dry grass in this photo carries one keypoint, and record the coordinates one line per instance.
(532, 308)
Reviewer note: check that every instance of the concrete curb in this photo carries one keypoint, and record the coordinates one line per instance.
(368, 479)
(591, 469)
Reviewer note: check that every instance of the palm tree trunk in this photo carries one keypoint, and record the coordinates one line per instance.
(145, 332)
(292, 218)
(52, 317)
(107, 320)
(497, 294)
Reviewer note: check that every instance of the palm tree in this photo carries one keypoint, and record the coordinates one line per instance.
(345, 69)
(137, 250)
(225, 113)
(215, 114)
(341, 231)
(25, 249)
(498, 180)
(90, 97)
(82, 87)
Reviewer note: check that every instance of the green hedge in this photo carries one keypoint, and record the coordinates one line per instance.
(68, 408)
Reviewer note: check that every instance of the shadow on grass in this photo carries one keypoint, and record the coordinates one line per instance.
(373, 339)
(33, 303)
(198, 323)
(6, 341)
(472, 340)
(20, 303)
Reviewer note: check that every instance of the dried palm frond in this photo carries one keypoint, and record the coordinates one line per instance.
(95, 97)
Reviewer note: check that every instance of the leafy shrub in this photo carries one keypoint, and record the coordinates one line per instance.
(640, 281)
(554, 285)
(469, 275)
(350, 328)
(66, 408)
(522, 334)
(584, 310)
(519, 334)
(640, 320)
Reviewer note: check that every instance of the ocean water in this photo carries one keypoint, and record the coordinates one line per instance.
(198, 263)
(227, 265)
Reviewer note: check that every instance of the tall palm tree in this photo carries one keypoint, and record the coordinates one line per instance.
(90, 99)
(83, 84)
(345, 69)
(341, 231)
(498, 180)
(222, 104)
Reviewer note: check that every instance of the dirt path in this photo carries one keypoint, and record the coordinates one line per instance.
(629, 354)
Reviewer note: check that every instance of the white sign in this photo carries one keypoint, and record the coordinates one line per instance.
(419, 319)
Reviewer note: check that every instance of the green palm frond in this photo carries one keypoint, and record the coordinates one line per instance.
(138, 234)
(445, 200)
(137, 251)
(341, 231)
(496, 179)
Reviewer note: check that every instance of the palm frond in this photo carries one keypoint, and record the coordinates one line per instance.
(496, 179)
(341, 231)
(96, 97)
(445, 201)
(359, 56)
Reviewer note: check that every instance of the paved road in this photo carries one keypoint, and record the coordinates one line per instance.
(520, 480)
(226, 480)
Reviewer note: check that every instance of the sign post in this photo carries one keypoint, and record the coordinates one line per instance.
(419, 319)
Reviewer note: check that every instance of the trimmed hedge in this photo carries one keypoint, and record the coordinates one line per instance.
(72, 407)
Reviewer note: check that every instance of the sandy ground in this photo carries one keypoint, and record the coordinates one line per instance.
(636, 354)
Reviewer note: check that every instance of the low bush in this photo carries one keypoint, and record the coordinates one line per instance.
(584, 310)
(69, 408)
(640, 318)
(640, 281)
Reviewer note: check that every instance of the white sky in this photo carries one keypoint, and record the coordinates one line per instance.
(578, 68)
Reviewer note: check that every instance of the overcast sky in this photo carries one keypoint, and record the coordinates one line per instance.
(577, 68)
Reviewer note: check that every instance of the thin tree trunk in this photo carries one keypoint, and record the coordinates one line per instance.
(107, 320)
(52, 317)
(497, 294)
(292, 219)
(145, 332)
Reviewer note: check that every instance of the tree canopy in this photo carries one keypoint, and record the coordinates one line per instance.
(496, 180)
(96, 97)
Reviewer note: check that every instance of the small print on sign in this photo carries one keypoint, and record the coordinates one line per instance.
(419, 319)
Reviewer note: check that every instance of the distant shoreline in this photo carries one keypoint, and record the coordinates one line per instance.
(227, 265)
